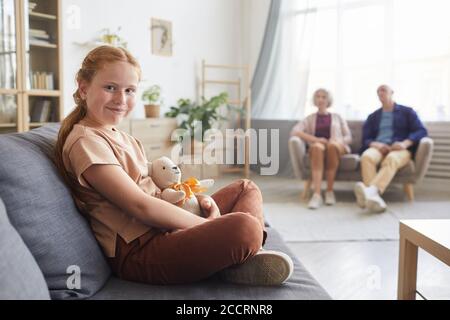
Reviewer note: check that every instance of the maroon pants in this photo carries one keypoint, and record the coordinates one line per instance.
(196, 253)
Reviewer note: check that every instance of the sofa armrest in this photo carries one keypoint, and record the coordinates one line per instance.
(423, 157)
(297, 151)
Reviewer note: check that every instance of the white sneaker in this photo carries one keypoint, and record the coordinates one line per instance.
(315, 202)
(362, 193)
(376, 204)
(266, 268)
(330, 198)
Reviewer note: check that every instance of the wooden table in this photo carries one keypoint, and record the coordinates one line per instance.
(433, 236)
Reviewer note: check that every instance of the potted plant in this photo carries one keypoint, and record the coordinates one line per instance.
(112, 38)
(189, 114)
(207, 113)
(152, 100)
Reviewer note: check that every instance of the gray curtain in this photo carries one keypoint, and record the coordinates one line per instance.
(266, 96)
(266, 55)
(280, 82)
(267, 66)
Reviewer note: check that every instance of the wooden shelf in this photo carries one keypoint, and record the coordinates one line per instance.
(226, 82)
(9, 91)
(43, 93)
(43, 45)
(42, 55)
(220, 66)
(241, 100)
(42, 16)
(8, 125)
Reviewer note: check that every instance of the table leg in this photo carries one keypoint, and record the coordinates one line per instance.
(407, 270)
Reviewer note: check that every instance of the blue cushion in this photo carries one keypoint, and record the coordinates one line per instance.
(20, 276)
(41, 209)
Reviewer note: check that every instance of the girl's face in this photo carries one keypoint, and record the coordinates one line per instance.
(111, 95)
(321, 100)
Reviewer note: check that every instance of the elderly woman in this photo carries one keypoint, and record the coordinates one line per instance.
(328, 137)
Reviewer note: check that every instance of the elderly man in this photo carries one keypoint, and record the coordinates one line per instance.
(390, 137)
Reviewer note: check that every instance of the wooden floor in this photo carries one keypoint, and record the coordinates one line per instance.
(368, 270)
(363, 269)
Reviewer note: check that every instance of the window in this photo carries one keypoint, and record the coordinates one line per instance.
(358, 45)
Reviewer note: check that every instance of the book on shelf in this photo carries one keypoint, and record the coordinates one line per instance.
(38, 42)
(39, 34)
(49, 81)
(42, 111)
(38, 37)
(42, 80)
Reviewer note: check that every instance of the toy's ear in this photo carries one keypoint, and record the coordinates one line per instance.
(178, 161)
(150, 167)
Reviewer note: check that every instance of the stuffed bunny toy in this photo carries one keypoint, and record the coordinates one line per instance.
(167, 177)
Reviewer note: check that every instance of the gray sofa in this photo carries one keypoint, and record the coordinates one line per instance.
(349, 167)
(48, 251)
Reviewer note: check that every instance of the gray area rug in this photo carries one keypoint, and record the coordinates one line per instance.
(346, 221)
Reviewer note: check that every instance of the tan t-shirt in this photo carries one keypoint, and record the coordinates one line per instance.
(89, 144)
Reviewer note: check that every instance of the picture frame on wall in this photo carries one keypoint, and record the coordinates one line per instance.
(161, 31)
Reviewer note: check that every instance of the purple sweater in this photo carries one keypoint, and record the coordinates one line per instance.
(323, 126)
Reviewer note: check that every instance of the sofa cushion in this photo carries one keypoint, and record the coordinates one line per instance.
(41, 209)
(20, 276)
(349, 162)
(356, 128)
(301, 285)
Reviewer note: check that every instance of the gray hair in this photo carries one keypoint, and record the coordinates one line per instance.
(327, 93)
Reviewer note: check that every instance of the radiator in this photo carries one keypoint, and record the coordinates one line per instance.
(440, 160)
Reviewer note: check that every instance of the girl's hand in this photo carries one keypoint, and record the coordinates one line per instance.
(209, 207)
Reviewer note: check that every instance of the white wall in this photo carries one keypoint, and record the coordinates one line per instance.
(209, 29)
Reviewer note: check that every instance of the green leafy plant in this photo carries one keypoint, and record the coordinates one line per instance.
(152, 95)
(207, 112)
